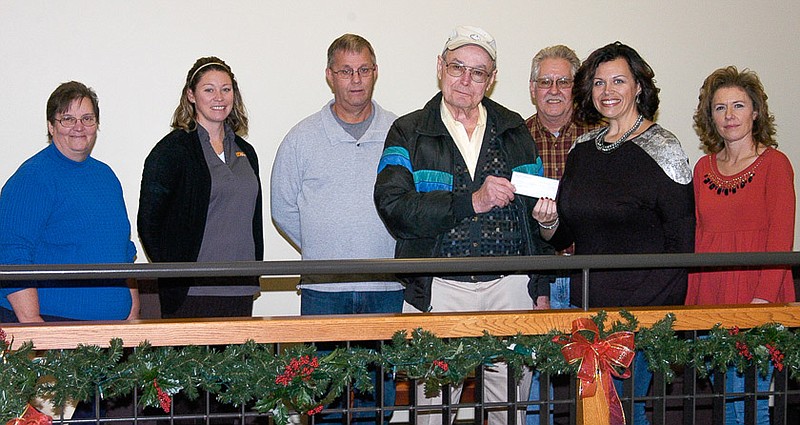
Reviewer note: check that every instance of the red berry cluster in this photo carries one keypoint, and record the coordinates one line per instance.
(3, 336)
(744, 350)
(303, 367)
(163, 398)
(441, 364)
(776, 356)
(741, 346)
(314, 411)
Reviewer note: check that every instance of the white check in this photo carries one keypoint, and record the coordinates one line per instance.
(534, 186)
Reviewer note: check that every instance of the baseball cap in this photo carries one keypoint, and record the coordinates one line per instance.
(463, 35)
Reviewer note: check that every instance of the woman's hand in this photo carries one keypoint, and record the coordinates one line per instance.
(545, 213)
(135, 302)
(25, 304)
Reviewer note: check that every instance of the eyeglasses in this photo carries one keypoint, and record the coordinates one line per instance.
(561, 83)
(347, 73)
(69, 121)
(456, 70)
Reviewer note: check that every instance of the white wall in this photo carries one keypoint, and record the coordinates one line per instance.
(136, 56)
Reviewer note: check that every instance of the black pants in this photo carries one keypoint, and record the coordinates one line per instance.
(173, 294)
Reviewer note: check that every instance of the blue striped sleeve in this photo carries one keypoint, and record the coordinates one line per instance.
(430, 180)
(395, 155)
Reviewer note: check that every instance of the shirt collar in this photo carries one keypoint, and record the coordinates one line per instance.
(449, 120)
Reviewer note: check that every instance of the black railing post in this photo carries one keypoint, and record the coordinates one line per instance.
(659, 399)
(480, 393)
(627, 396)
(585, 289)
(544, 395)
(573, 407)
(718, 403)
(413, 411)
(690, 393)
(751, 395)
(447, 408)
(511, 397)
(781, 380)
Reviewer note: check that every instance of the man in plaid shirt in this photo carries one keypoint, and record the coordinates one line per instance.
(553, 126)
(554, 130)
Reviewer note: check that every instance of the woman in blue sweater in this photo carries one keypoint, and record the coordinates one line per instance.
(64, 207)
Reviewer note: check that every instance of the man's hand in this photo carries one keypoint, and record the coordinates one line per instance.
(495, 192)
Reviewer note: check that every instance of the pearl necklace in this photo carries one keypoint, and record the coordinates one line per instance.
(604, 147)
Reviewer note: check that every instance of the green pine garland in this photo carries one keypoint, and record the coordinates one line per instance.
(299, 380)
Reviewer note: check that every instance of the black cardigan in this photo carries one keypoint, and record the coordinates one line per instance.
(174, 197)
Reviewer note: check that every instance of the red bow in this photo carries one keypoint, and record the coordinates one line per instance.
(31, 416)
(603, 355)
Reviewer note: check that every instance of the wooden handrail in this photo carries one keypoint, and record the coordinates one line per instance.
(180, 332)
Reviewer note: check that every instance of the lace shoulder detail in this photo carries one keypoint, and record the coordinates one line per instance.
(585, 137)
(666, 151)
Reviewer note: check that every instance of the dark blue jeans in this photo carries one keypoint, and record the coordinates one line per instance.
(323, 303)
(641, 384)
(734, 406)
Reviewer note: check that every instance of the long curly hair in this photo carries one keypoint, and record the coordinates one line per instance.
(747, 80)
(185, 114)
(642, 73)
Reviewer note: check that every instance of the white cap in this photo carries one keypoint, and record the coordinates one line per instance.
(463, 35)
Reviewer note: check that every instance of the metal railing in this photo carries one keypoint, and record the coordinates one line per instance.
(433, 266)
(661, 405)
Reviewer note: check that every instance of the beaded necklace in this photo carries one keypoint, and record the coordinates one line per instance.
(604, 147)
(729, 185)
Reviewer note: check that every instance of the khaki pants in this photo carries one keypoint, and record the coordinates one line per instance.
(506, 293)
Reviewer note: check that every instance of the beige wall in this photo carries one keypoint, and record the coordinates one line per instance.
(136, 55)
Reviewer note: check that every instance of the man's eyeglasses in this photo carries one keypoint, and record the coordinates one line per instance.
(70, 121)
(456, 70)
(561, 83)
(347, 73)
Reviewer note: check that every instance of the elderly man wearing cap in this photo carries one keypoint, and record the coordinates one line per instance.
(444, 190)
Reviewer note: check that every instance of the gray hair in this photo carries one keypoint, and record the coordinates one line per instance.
(558, 51)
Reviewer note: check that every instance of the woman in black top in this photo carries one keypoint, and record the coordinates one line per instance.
(200, 198)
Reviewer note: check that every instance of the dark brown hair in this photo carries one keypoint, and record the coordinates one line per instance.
(642, 74)
(64, 95)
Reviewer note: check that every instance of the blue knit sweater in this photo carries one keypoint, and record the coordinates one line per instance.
(57, 211)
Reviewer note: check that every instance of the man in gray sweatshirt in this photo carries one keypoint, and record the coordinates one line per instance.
(321, 194)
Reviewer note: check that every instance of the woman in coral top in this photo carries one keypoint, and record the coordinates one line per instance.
(744, 201)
